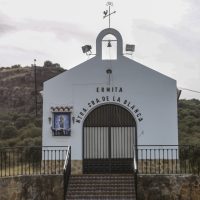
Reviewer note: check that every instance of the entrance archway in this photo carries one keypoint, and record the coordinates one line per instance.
(109, 133)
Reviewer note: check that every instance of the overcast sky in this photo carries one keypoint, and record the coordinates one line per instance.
(166, 33)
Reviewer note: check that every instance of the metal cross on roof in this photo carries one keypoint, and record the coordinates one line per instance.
(107, 13)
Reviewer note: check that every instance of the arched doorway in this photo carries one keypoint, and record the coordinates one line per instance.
(108, 137)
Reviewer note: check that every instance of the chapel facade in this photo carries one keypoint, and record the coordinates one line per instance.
(102, 108)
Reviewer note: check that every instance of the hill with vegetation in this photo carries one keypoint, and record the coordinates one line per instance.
(189, 121)
(18, 124)
(20, 127)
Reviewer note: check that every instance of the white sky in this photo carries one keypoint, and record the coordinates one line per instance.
(166, 33)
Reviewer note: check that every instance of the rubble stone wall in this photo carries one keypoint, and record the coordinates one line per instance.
(41, 187)
(168, 187)
(150, 187)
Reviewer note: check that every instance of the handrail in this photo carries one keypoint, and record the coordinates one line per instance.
(67, 170)
(66, 158)
(20, 147)
(135, 169)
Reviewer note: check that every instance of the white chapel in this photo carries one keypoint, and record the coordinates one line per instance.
(103, 107)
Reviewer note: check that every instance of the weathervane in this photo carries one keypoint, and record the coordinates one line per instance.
(107, 13)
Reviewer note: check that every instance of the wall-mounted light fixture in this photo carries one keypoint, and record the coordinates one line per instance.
(109, 72)
(73, 119)
(49, 119)
(130, 48)
(87, 50)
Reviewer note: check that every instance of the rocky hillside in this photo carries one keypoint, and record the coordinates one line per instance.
(17, 89)
(18, 124)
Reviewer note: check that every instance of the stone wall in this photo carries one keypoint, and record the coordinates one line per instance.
(150, 187)
(166, 187)
(44, 187)
(77, 167)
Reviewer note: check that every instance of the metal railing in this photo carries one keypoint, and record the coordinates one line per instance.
(33, 160)
(67, 171)
(135, 169)
(168, 159)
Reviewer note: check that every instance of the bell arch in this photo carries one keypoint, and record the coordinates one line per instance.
(100, 37)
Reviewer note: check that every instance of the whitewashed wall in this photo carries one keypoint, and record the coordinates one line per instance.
(153, 95)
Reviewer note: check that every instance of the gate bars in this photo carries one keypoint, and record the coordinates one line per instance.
(108, 137)
(108, 149)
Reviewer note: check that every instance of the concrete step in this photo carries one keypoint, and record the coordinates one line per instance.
(102, 197)
(102, 187)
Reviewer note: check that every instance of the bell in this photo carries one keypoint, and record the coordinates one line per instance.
(109, 44)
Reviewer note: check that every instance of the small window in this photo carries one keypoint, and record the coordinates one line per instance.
(109, 47)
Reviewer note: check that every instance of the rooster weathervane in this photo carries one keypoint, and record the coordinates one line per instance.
(107, 13)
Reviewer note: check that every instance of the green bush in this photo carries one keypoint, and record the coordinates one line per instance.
(14, 116)
(5, 117)
(22, 122)
(30, 131)
(8, 132)
(38, 122)
(13, 142)
(189, 121)
(37, 141)
(3, 144)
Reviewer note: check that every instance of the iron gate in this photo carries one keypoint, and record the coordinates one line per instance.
(108, 138)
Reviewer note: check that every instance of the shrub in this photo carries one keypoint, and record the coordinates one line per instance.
(8, 132)
(30, 142)
(21, 122)
(30, 131)
(38, 122)
(12, 142)
(15, 116)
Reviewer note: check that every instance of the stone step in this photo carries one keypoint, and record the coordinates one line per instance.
(102, 184)
(105, 179)
(102, 198)
(105, 190)
(100, 194)
(102, 178)
(94, 176)
(106, 183)
(102, 187)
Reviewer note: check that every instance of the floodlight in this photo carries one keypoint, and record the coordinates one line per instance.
(130, 47)
(86, 48)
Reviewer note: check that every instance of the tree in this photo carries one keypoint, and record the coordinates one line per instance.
(47, 63)
(15, 66)
(22, 122)
(57, 65)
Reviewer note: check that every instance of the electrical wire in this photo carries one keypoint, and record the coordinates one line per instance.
(195, 91)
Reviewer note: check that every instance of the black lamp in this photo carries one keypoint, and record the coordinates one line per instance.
(86, 48)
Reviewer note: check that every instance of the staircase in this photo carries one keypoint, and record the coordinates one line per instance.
(101, 187)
